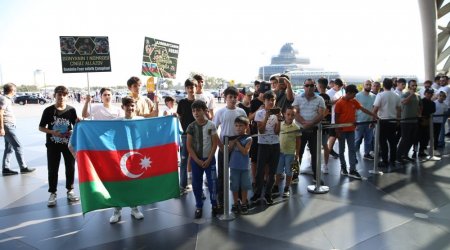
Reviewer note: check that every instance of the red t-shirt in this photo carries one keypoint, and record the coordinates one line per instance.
(346, 109)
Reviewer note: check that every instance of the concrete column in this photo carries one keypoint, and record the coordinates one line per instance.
(428, 15)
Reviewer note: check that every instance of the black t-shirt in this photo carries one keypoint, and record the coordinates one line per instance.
(184, 111)
(245, 108)
(59, 120)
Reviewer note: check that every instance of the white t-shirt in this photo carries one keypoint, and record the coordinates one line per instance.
(441, 108)
(100, 112)
(169, 111)
(269, 136)
(207, 98)
(334, 95)
(224, 118)
(387, 103)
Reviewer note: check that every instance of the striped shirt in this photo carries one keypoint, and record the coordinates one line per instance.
(308, 108)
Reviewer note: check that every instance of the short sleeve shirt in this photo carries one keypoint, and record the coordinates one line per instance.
(269, 136)
(59, 120)
(224, 118)
(100, 112)
(411, 109)
(288, 137)
(308, 108)
(387, 103)
(237, 159)
(207, 98)
(202, 137)
(367, 102)
(144, 106)
(346, 109)
(6, 105)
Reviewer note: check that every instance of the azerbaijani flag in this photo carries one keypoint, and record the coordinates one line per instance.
(124, 163)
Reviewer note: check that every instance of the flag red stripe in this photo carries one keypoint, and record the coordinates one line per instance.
(105, 165)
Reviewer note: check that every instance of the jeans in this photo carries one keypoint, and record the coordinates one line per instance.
(197, 182)
(53, 159)
(348, 136)
(387, 135)
(12, 142)
(441, 141)
(183, 164)
(366, 132)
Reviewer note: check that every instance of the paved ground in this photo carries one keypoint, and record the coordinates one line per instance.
(406, 208)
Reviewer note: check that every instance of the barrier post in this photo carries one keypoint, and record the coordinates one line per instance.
(318, 189)
(431, 156)
(376, 151)
(227, 215)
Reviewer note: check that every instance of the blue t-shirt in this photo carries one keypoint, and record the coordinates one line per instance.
(237, 159)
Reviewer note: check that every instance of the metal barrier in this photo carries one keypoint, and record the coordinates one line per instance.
(227, 215)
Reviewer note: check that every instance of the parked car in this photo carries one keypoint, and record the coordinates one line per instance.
(27, 99)
(180, 95)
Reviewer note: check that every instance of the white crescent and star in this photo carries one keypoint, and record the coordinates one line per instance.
(145, 163)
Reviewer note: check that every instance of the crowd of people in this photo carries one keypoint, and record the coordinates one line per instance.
(267, 132)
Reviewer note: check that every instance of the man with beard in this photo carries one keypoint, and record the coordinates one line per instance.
(365, 131)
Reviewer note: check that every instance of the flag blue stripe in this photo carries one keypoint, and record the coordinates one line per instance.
(125, 134)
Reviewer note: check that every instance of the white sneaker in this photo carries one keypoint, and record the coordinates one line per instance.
(116, 215)
(136, 213)
(324, 169)
(52, 200)
(72, 197)
(307, 170)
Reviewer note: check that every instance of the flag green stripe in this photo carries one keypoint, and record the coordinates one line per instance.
(98, 195)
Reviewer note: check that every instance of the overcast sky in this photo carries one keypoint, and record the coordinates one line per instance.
(228, 39)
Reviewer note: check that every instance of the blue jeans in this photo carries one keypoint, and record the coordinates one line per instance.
(350, 138)
(285, 164)
(184, 160)
(197, 182)
(12, 142)
(363, 131)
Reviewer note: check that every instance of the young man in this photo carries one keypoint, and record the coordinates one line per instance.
(208, 98)
(57, 122)
(345, 113)
(129, 108)
(201, 144)
(322, 87)
(144, 106)
(387, 106)
(224, 119)
(411, 108)
(8, 131)
(428, 108)
(365, 131)
(239, 165)
(184, 111)
(335, 94)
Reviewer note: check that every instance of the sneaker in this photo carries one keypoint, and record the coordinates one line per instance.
(324, 169)
(235, 209)
(198, 213)
(344, 171)
(116, 216)
(26, 170)
(368, 157)
(136, 213)
(244, 208)
(354, 174)
(7, 171)
(71, 197)
(255, 198)
(275, 190)
(52, 200)
(286, 192)
(268, 198)
(334, 154)
(307, 170)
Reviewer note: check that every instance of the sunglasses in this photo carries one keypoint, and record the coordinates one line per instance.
(308, 85)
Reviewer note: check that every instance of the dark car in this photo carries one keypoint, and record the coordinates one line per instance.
(27, 99)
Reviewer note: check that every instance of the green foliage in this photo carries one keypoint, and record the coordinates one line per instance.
(27, 88)
(210, 82)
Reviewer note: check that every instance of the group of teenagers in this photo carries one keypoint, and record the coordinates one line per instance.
(267, 132)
